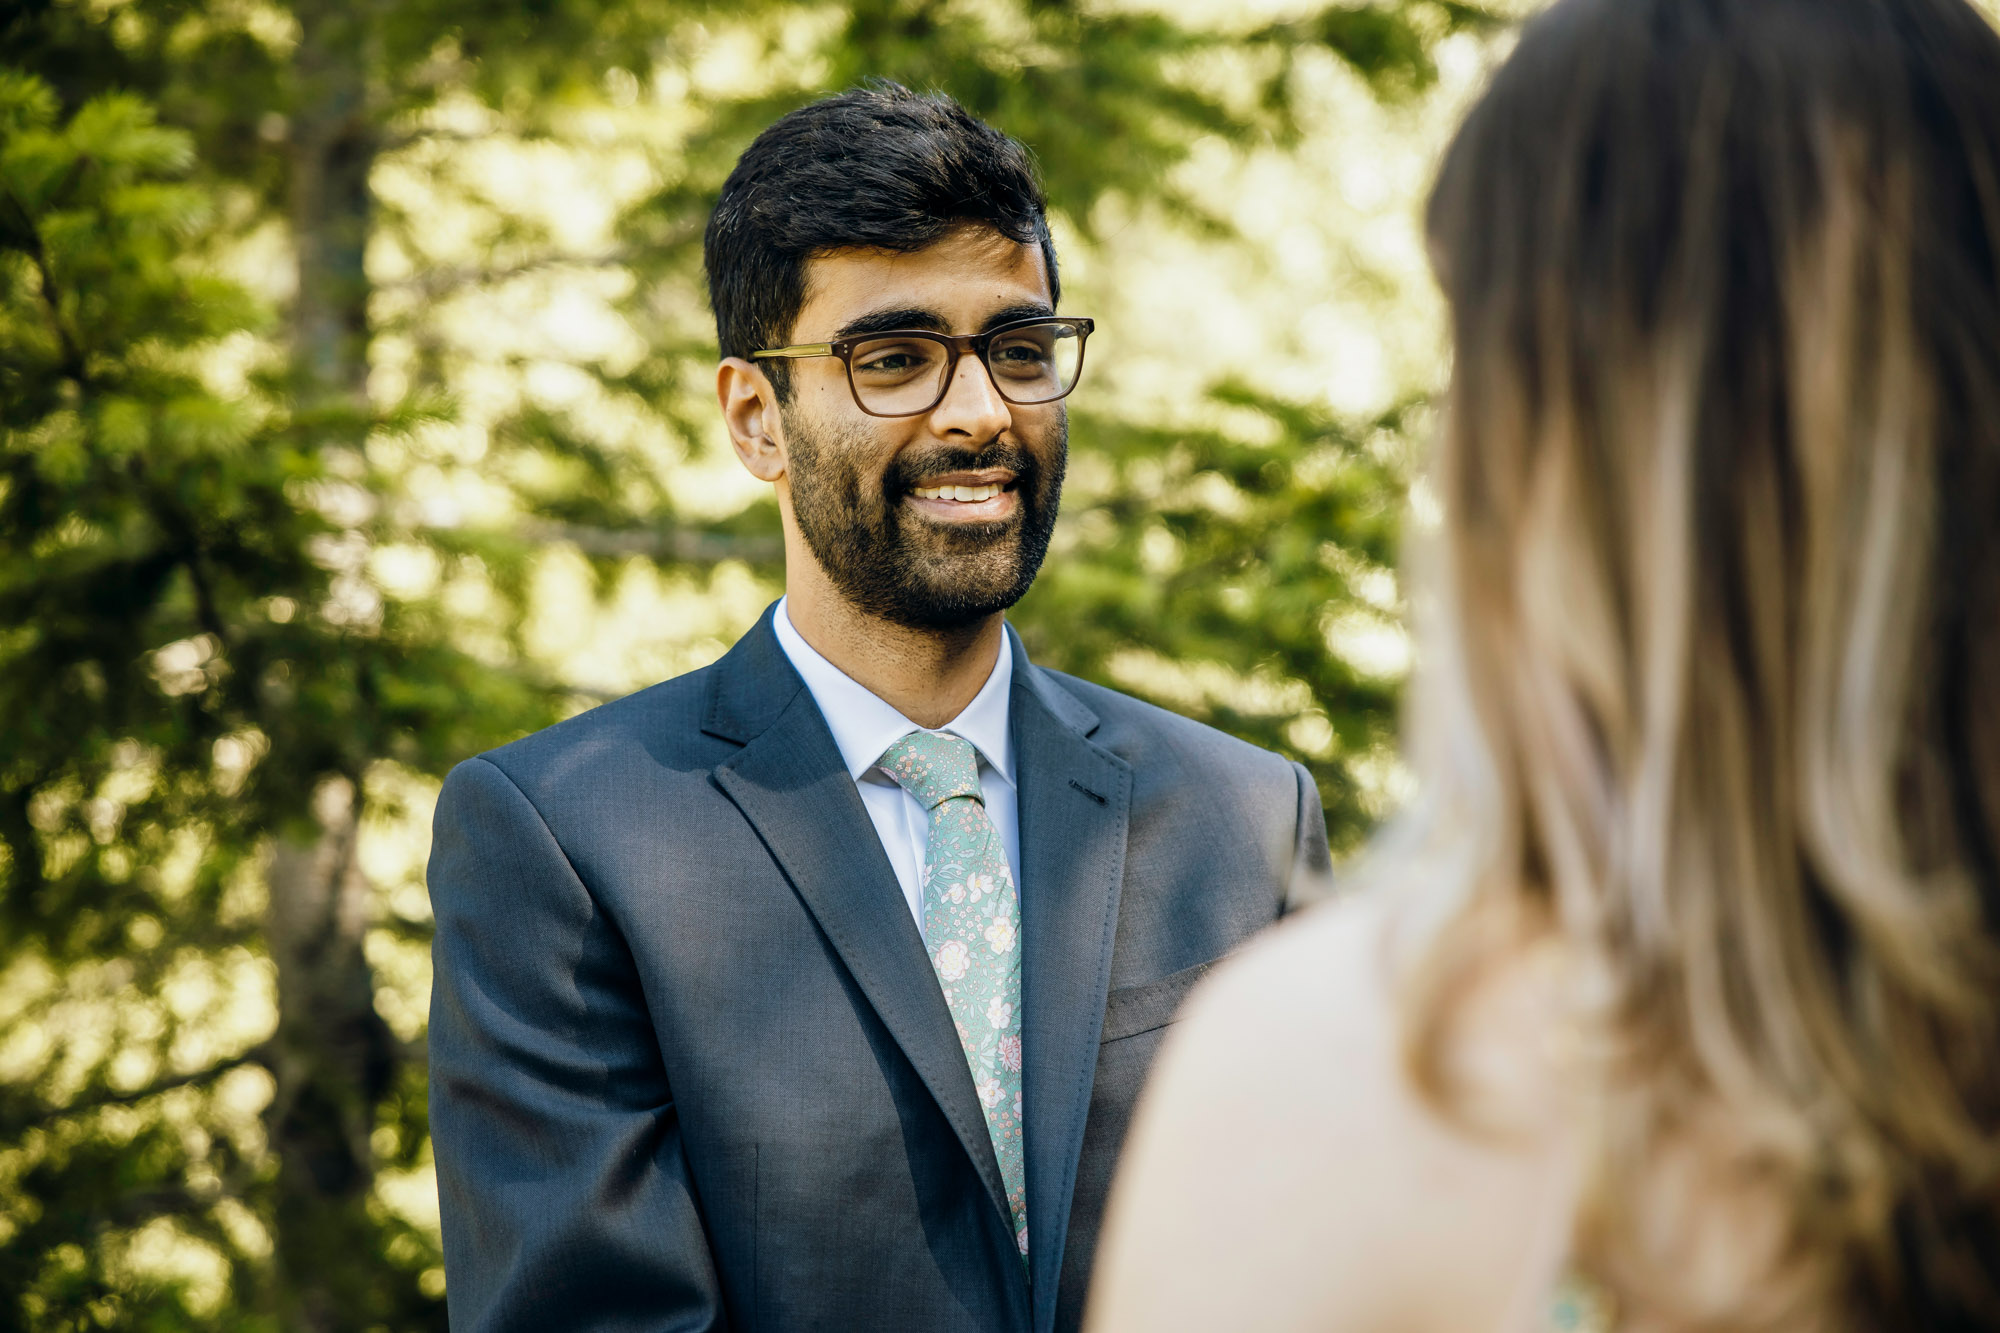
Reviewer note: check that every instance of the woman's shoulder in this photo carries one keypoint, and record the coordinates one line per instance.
(1347, 1192)
(1297, 1038)
(1298, 1025)
(1342, 980)
(1320, 974)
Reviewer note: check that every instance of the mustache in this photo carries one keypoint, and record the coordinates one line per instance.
(911, 471)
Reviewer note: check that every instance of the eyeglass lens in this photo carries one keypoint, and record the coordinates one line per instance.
(901, 374)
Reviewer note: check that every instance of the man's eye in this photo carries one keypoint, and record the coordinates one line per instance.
(894, 360)
(1021, 359)
(1021, 353)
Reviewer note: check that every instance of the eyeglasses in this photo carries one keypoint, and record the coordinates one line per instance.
(905, 372)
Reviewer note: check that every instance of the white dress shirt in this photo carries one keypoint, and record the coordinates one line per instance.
(864, 726)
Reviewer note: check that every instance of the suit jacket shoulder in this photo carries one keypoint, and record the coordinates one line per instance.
(1138, 731)
(1189, 779)
(666, 735)
(661, 722)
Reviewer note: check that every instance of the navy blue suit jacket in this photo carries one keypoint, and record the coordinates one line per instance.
(690, 1065)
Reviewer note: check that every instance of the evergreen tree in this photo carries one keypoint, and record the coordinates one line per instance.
(191, 675)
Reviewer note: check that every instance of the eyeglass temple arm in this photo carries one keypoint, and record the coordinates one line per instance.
(798, 350)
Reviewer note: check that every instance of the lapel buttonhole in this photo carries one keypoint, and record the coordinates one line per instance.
(1088, 792)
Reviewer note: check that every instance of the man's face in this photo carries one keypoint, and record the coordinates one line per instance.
(875, 498)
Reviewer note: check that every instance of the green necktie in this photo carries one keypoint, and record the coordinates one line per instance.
(972, 928)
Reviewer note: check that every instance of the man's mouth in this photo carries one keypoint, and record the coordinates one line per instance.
(962, 494)
(967, 496)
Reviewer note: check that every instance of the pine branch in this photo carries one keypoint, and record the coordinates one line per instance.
(686, 545)
(433, 283)
(178, 521)
(403, 139)
(38, 255)
(197, 1078)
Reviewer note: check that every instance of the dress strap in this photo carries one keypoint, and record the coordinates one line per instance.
(1579, 1305)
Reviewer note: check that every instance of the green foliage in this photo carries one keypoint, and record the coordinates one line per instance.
(171, 592)
(1390, 46)
(1206, 548)
(199, 644)
(112, 454)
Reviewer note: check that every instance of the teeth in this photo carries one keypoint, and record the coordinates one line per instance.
(962, 494)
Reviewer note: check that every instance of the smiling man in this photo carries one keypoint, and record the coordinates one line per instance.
(812, 990)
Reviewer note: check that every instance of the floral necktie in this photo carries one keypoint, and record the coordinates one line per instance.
(972, 927)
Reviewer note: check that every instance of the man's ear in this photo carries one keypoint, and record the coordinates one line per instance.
(750, 410)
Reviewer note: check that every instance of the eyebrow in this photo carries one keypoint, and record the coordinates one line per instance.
(1029, 310)
(916, 317)
(882, 321)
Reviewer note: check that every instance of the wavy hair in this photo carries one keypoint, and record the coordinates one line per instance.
(1709, 633)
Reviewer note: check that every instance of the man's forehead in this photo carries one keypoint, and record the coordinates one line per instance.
(965, 274)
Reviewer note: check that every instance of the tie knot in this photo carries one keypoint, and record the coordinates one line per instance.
(934, 766)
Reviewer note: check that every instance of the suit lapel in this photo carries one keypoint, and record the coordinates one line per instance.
(1074, 804)
(790, 783)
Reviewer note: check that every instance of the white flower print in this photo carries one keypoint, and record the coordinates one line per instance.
(999, 1013)
(1021, 1239)
(1010, 1052)
(1000, 935)
(953, 958)
(1017, 1106)
(990, 1092)
(956, 893)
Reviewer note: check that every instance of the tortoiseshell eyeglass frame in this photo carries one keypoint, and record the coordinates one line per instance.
(956, 346)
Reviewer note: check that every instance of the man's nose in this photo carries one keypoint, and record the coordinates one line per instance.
(971, 405)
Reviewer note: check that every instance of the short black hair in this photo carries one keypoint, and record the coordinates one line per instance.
(877, 166)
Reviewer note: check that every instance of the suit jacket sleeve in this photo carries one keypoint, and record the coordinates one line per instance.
(1312, 866)
(565, 1192)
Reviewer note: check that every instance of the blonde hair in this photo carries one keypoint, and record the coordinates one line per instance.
(1709, 629)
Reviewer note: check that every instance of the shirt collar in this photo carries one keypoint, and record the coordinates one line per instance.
(864, 724)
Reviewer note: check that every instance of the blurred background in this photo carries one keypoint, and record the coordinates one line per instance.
(356, 416)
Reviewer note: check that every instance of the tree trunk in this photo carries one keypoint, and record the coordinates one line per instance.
(333, 145)
(333, 1057)
(332, 1060)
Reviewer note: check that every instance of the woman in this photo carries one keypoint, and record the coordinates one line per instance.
(1675, 1003)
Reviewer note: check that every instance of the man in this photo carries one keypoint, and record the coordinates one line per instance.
(813, 989)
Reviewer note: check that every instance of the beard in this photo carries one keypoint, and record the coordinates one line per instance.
(890, 562)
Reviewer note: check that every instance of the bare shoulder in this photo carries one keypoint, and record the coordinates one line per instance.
(1285, 1173)
(1318, 977)
(1296, 1028)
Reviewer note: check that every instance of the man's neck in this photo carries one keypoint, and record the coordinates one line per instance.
(929, 676)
